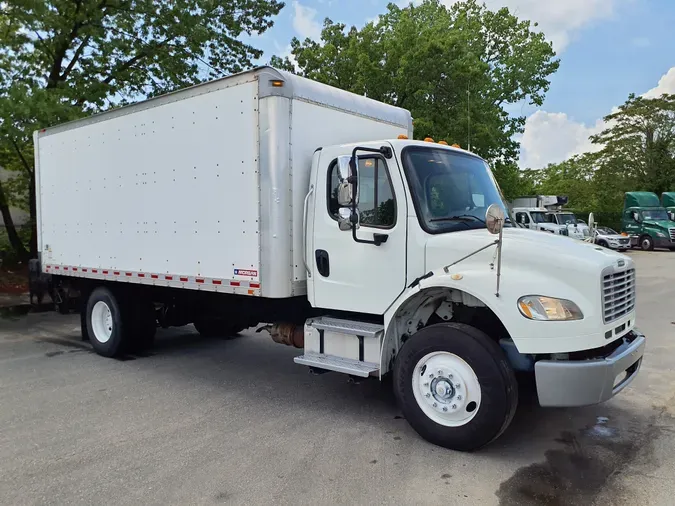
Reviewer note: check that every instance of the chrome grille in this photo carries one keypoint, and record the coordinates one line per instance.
(672, 234)
(618, 294)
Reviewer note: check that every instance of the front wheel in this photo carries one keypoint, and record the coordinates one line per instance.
(455, 386)
(646, 243)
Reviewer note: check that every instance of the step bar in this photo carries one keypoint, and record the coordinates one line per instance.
(337, 364)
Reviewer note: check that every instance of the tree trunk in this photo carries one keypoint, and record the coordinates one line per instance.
(14, 239)
(33, 218)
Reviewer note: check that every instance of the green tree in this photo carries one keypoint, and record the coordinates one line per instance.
(638, 147)
(455, 69)
(65, 59)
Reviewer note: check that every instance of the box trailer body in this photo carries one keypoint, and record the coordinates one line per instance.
(266, 198)
(203, 188)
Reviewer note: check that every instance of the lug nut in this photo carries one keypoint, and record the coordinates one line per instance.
(454, 406)
(431, 376)
(450, 376)
(445, 408)
(440, 373)
(426, 384)
(435, 405)
(459, 397)
(457, 385)
(428, 395)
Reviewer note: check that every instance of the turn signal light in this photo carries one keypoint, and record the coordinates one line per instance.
(277, 84)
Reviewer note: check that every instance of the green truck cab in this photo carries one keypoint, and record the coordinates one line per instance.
(646, 222)
(668, 202)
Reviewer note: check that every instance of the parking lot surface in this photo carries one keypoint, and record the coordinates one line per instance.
(235, 421)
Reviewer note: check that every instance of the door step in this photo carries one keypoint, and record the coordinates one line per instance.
(349, 327)
(337, 364)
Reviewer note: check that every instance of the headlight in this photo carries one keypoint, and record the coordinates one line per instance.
(537, 307)
(661, 234)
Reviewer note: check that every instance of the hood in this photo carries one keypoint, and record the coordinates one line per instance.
(662, 224)
(613, 237)
(536, 249)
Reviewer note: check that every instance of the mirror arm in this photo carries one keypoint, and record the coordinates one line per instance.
(378, 239)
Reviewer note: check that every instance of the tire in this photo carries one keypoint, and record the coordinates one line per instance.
(107, 324)
(214, 327)
(471, 355)
(603, 244)
(646, 243)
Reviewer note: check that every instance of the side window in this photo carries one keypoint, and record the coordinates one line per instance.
(523, 218)
(377, 205)
(551, 218)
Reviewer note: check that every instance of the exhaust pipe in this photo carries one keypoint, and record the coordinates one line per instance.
(289, 334)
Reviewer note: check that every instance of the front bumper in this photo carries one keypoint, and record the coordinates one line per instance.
(663, 242)
(564, 383)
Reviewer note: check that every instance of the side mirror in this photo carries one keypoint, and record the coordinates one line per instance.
(494, 219)
(636, 217)
(345, 218)
(672, 215)
(346, 194)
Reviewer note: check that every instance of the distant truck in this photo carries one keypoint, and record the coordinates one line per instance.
(544, 212)
(267, 198)
(646, 222)
(668, 202)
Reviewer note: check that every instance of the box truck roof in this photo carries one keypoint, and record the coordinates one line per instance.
(271, 82)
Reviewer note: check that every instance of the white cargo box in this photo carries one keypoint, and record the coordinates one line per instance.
(199, 189)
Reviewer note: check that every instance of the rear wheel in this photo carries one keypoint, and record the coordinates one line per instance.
(106, 325)
(455, 386)
(646, 243)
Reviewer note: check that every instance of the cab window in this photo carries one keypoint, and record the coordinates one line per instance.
(377, 203)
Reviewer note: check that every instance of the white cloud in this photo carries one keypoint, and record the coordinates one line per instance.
(666, 85)
(551, 137)
(304, 21)
(558, 19)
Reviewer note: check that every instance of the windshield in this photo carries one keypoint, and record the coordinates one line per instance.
(567, 219)
(655, 214)
(538, 216)
(606, 231)
(452, 190)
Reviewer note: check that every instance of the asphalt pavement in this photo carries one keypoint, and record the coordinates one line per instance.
(235, 421)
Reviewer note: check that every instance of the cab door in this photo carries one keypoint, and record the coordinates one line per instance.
(348, 275)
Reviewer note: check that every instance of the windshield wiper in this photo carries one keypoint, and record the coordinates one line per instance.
(461, 217)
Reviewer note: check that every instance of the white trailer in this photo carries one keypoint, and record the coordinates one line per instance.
(268, 198)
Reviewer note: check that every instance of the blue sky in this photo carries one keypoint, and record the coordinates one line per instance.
(608, 49)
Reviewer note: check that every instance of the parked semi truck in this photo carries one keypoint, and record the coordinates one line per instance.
(266, 198)
(668, 202)
(646, 222)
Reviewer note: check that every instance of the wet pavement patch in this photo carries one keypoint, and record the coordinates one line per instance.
(578, 471)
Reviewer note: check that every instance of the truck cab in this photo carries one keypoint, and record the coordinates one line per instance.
(646, 222)
(565, 223)
(400, 229)
(668, 202)
(530, 217)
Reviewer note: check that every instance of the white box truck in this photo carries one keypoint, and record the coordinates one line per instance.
(267, 198)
